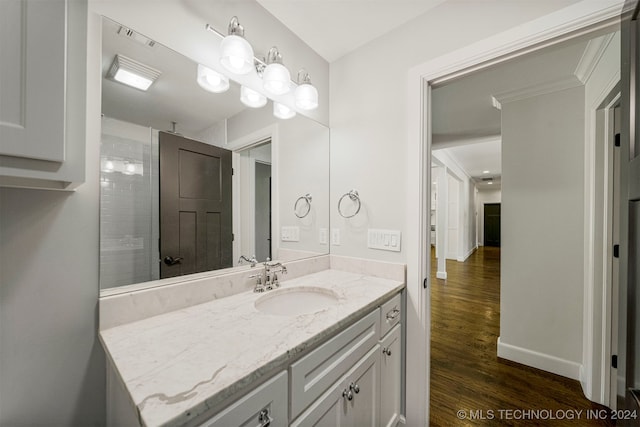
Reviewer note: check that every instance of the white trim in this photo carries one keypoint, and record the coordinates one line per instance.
(551, 86)
(591, 56)
(244, 142)
(441, 275)
(546, 362)
(468, 254)
(571, 21)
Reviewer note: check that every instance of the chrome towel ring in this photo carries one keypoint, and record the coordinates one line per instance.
(307, 201)
(355, 197)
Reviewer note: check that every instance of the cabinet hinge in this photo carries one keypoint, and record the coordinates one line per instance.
(614, 361)
(616, 251)
(616, 140)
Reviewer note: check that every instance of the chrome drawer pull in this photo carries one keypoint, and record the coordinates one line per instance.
(348, 394)
(264, 418)
(386, 351)
(393, 314)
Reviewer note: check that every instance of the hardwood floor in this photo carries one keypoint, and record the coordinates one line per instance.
(466, 374)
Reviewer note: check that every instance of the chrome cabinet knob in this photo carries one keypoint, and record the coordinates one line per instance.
(348, 394)
(355, 388)
(386, 351)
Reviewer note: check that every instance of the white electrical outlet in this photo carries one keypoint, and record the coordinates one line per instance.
(323, 234)
(335, 237)
(386, 240)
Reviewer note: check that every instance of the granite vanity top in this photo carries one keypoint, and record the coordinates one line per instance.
(177, 365)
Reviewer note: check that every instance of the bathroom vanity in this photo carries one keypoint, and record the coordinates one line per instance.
(325, 347)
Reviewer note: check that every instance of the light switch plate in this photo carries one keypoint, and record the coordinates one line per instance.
(386, 240)
(323, 236)
(335, 237)
(290, 234)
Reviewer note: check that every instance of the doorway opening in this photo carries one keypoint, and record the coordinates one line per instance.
(538, 121)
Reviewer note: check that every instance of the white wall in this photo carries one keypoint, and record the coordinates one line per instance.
(542, 231)
(463, 201)
(484, 197)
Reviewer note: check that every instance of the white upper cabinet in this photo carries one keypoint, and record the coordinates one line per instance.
(42, 93)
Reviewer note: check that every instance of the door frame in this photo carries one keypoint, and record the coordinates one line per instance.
(573, 21)
(255, 138)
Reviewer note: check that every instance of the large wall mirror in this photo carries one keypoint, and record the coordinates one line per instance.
(191, 180)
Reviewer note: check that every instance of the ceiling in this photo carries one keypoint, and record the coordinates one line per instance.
(467, 125)
(341, 26)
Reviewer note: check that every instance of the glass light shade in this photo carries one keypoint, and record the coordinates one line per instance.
(236, 55)
(211, 80)
(306, 96)
(276, 79)
(281, 111)
(251, 98)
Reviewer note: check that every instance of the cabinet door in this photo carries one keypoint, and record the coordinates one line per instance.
(268, 400)
(390, 377)
(32, 79)
(333, 409)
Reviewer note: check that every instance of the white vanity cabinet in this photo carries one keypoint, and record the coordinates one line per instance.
(352, 401)
(264, 406)
(43, 93)
(391, 362)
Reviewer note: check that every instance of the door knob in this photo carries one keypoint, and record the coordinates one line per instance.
(169, 260)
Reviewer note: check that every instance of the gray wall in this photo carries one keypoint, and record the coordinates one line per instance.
(542, 224)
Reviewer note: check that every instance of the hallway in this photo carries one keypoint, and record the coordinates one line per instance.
(466, 374)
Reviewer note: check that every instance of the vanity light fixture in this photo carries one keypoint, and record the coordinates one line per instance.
(306, 95)
(132, 73)
(236, 52)
(211, 80)
(281, 111)
(276, 78)
(251, 98)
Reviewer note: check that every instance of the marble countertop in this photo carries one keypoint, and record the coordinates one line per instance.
(177, 365)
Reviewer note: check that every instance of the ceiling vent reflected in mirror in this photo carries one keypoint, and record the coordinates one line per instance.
(136, 37)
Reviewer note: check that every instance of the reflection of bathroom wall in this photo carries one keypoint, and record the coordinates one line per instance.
(126, 200)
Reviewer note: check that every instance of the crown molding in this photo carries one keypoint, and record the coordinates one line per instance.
(536, 90)
(591, 56)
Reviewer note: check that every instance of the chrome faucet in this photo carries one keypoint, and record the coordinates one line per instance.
(268, 278)
(251, 260)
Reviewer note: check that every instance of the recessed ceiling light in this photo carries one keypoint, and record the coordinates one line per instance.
(490, 182)
(132, 73)
(486, 171)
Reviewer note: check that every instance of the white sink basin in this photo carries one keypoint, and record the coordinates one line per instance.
(296, 301)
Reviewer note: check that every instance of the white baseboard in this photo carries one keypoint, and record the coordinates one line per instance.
(441, 275)
(467, 255)
(546, 362)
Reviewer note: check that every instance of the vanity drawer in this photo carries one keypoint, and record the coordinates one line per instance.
(266, 405)
(316, 372)
(390, 314)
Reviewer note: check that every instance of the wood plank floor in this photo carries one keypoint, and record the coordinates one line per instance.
(466, 374)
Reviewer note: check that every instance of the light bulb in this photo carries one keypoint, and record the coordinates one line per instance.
(276, 79)
(211, 80)
(281, 111)
(251, 98)
(236, 55)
